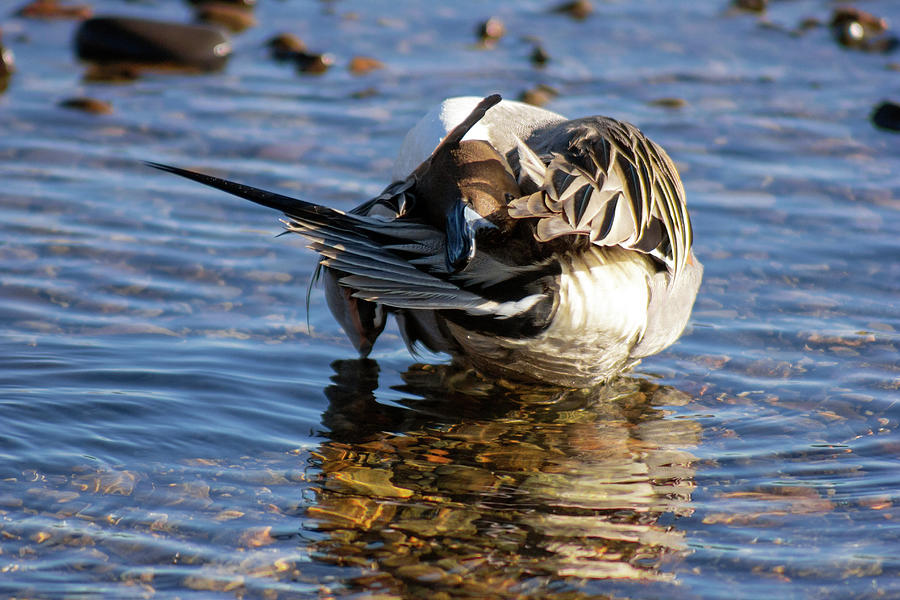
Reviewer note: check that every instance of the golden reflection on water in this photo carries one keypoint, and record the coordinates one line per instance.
(483, 490)
(466, 489)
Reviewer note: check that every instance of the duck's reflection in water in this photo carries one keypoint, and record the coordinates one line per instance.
(481, 490)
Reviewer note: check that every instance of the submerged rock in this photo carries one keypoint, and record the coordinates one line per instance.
(152, 43)
(887, 116)
(89, 105)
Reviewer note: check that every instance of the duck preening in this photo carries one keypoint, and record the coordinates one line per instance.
(526, 245)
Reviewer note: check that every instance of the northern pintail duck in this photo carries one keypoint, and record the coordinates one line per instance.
(526, 245)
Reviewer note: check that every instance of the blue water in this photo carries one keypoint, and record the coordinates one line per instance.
(174, 423)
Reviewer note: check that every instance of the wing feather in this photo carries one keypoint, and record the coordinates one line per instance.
(381, 257)
(604, 178)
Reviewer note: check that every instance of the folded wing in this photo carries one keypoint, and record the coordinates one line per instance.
(604, 179)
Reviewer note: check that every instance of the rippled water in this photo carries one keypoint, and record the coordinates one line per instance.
(174, 423)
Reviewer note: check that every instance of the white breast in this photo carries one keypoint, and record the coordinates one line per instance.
(602, 313)
(603, 295)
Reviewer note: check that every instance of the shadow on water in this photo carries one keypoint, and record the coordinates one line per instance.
(479, 490)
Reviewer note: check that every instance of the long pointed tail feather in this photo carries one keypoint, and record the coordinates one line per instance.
(391, 262)
(286, 204)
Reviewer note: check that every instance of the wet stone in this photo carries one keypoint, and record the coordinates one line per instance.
(52, 9)
(887, 116)
(578, 10)
(256, 537)
(809, 23)
(310, 62)
(422, 573)
(40, 537)
(152, 43)
(284, 45)
(368, 92)
(246, 4)
(233, 17)
(490, 31)
(189, 493)
(539, 56)
(360, 65)
(111, 482)
(228, 515)
(751, 5)
(463, 479)
(7, 62)
(517, 459)
(538, 95)
(112, 73)
(335, 513)
(859, 30)
(366, 481)
(447, 521)
(669, 102)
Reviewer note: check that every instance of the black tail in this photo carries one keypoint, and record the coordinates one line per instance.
(316, 214)
(289, 206)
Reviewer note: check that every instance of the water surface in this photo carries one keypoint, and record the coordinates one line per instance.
(173, 423)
